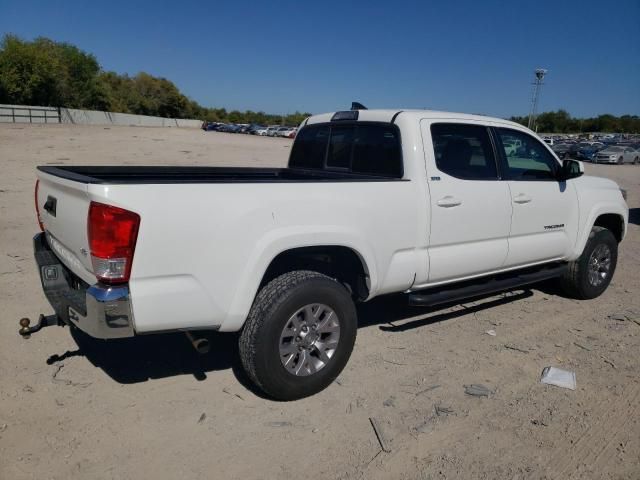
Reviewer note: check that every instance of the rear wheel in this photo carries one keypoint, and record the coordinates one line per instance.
(590, 275)
(635, 160)
(299, 334)
(620, 161)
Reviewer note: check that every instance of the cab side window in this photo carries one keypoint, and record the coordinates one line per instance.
(464, 151)
(526, 157)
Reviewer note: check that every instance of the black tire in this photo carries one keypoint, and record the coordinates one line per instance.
(620, 161)
(271, 312)
(575, 282)
(635, 161)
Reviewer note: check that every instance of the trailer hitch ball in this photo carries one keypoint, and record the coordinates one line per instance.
(24, 327)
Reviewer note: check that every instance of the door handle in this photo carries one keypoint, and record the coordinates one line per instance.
(448, 202)
(522, 198)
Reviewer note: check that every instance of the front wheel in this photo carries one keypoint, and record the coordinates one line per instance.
(299, 334)
(635, 161)
(589, 276)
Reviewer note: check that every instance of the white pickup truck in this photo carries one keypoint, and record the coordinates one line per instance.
(373, 202)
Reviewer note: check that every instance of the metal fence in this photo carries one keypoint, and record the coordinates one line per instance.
(20, 114)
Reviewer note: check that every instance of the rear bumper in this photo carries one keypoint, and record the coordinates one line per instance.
(101, 311)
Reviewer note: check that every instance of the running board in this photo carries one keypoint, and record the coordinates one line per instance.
(487, 285)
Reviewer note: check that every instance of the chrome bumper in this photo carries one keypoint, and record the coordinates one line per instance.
(101, 311)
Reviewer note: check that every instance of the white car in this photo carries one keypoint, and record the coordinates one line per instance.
(617, 154)
(285, 131)
(421, 203)
(271, 130)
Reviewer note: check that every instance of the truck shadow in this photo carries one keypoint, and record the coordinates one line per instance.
(634, 216)
(143, 358)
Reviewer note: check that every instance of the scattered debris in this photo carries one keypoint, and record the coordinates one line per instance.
(538, 422)
(477, 390)
(3, 427)
(279, 424)
(315, 430)
(394, 363)
(428, 389)
(558, 377)
(491, 333)
(202, 417)
(390, 402)
(511, 346)
(65, 381)
(27, 388)
(582, 346)
(338, 381)
(232, 394)
(380, 435)
(606, 360)
(443, 411)
(618, 316)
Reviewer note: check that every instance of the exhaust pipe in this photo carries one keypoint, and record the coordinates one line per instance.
(201, 345)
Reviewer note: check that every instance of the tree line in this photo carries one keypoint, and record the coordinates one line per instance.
(48, 73)
(561, 122)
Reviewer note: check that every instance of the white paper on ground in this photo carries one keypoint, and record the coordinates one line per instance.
(559, 378)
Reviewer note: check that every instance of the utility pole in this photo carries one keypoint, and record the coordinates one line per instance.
(537, 85)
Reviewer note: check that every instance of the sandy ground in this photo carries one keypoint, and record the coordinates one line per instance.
(151, 408)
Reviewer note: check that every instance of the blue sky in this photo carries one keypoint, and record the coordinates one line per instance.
(281, 56)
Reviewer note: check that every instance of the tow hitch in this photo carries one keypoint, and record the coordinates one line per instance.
(43, 321)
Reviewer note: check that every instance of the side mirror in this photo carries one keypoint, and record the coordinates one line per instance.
(571, 169)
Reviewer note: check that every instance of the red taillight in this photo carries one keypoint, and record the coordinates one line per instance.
(112, 233)
(37, 207)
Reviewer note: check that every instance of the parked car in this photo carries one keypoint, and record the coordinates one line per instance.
(562, 150)
(258, 130)
(211, 126)
(230, 128)
(618, 155)
(271, 130)
(283, 255)
(284, 131)
(586, 153)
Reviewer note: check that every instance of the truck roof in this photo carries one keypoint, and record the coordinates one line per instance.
(387, 115)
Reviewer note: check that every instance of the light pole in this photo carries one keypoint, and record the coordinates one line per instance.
(537, 85)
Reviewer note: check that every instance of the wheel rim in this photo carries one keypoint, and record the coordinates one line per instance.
(599, 265)
(309, 339)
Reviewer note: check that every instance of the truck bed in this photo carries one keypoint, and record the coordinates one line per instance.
(177, 175)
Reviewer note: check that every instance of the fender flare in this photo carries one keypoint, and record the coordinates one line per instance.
(281, 240)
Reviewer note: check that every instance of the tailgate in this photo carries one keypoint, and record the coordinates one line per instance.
(63, 206)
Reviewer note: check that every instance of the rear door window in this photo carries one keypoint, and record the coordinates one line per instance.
(464, 151)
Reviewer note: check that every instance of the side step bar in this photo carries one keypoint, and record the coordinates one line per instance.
(476, 288)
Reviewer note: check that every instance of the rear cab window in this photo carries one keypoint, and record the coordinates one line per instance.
(364, 148)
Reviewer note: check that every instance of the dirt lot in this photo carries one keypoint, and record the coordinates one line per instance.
(151, 408)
